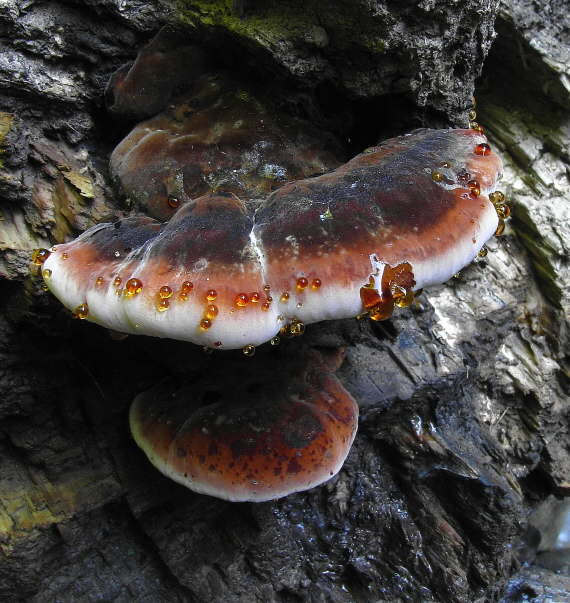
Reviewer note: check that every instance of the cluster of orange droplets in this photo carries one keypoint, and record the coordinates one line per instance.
(473, 116)
(211, 310)
(381, 306)
(243, 299)
(293, 329)
(503, 210)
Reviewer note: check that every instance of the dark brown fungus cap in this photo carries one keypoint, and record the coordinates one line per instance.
(265, 432)
(216, 135)
(142, 89)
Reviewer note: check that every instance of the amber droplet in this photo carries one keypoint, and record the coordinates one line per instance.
(45, 287)
(249, 350)
(285, 296)
(255, 297)
(133, 287)
(474, 188)
(297, 327)
(211, 295)
(173, 202)
(117, 281)
(437, 176)
(503, 210)
(265, 306)
(64, 256)
(275, 341)
(445, 164)
(302, 283)
(269, 299)
(205, 324)
(242, 300)
(280, 318)
(476, 127)
(266, 288)
(187, 286)
(483, 252)
(82, 311)
(46, 273)
(496, 197)
(316, 284)
(483, 150)
(472, 115)
(500, 228)
(378, 308)
(403, 297)
(211, 311)
(39, 256)
(99, 281)
(162, 305)
(165, 292)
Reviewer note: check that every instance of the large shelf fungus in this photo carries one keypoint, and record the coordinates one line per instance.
(228, 273)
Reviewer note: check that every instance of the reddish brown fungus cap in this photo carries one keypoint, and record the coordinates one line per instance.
(227, 273)
(216, 135)
(265, 432)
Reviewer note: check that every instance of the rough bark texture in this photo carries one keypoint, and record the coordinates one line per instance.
(463, 397)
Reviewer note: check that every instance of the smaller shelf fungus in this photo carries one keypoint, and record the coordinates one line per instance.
(229, 273)
(264, 432)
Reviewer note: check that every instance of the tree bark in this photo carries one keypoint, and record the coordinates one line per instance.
(463, 397)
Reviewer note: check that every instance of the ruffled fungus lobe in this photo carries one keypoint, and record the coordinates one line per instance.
(216, 135)
(142, 89)
(264, 432)
(228, 273)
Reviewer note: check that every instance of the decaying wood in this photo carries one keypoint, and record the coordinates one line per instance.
(463, 397)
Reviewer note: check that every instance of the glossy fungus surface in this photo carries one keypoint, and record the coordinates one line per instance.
(227, 273)
(267, 431)
(216, 135)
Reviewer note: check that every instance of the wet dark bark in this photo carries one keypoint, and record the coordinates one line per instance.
(463, 397)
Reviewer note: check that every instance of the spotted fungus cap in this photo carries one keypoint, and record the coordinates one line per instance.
(263, 433)
(228, 273)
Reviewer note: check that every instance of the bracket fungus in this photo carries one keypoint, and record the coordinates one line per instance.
(262, 433)
(231, 273)
(254, 230)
